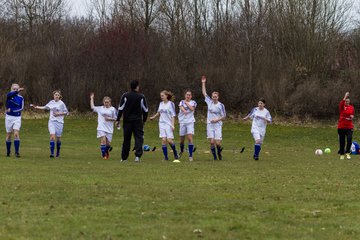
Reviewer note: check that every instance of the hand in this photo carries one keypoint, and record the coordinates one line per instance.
(152, 117)
(203, 79)
(56, 114)
(173, 128)
(20, 89)
(8, 110)
(214, 120)
(92, 95)
(347, 94)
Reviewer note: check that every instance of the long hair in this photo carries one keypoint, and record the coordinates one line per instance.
(169, 95)
(57, 91)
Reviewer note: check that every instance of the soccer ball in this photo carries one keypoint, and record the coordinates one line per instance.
(327, 150)
(146, 148)
(318, 152)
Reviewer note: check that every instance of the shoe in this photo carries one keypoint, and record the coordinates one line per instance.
(110, 148)
(105, 157)
(51, 155)
(256, 158)
(194, 149)
(166, 159)
(180, 154)
(107, 154)
(342, 157)
(191, 159)
(57, 155)
(123, 161)
(17, 155)
(348, 156)
(8, 154)
(137, 159)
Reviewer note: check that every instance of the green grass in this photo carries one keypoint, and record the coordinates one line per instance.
(288, 194)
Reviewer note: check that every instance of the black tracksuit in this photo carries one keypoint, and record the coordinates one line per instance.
(134, 108)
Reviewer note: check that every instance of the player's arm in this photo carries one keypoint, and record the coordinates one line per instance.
(191, 107)
(121, 108)
(22, 107)
(249, 115)
(39, 107)
(203, 86)
(64, 111)
(154, 116)
(92, 105)
(14, 93)
(144, 108)
(181, 107)
(173, 123)
(223, 115)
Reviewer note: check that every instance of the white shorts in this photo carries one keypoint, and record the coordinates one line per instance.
(166, 131)
(214, 131)
(56, 128)
(104, 134)
(186, 128)
(258, 136)
(12, 123)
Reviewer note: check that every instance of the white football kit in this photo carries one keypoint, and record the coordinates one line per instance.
(56, 123)
(105, 128)
(259, 122)
(214, 130)
(167, 113)
(186, 120)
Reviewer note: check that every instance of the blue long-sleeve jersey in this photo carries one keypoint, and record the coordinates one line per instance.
(15, 103)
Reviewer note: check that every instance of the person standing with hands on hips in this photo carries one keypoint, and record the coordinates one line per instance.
(215, 114)
(345, 126)
(14, 107)
(135, 110)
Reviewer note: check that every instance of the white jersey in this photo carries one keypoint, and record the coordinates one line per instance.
(214, 111)
(167, 112)
(258, 116)
(189, 116)
(103, 125)
(56, 106)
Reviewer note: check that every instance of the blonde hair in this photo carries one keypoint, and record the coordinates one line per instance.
(169, 95)
(106, 98)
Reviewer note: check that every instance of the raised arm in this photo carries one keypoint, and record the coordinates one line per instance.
(347, 94)
(92, 100)
(203, 87)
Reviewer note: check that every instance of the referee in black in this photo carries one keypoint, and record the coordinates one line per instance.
(135, 110)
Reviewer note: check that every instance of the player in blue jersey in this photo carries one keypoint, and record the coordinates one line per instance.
(187, 122)
(57, 110)
(167, 114)
(14, 107)
(215, 114)
(260, 118)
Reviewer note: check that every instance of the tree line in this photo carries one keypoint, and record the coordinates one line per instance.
(300, 55)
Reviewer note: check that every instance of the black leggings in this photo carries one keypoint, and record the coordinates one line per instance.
(345, 133)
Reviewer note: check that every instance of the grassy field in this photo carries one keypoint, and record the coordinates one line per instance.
(288, 194)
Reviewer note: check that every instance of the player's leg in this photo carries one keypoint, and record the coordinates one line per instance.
(349, 134)
(138, 129)
(170, 140)
(16, 129)
(164, 147)
(103, 146)
(342, 137)
(211, 136)
(257, 145)
(52, 131)
(58, 133)
(218, 138)
(182, 133)
(190, 133)
(127, 132)
(9, 133)
(108, 139)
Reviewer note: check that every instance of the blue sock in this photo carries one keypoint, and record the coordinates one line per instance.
(17, 145)
(257, 149)
(219, 149)
(182, 147)
(191, 148)
(173, 147)
(52, 147)
(103, 150)
(58, 146)
(213, 151)
(164, 149)
(8, 147)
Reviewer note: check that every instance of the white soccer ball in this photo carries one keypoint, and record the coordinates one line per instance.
(318, 152)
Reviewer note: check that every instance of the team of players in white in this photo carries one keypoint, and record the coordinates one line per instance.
(107, 116)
